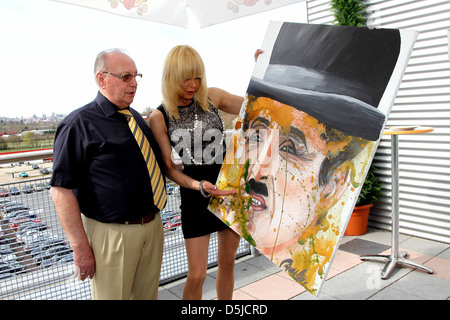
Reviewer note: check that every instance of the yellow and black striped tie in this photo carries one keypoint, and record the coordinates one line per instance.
(159, 191)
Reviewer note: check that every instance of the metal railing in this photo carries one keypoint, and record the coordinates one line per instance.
(36, 262)
(22, 156)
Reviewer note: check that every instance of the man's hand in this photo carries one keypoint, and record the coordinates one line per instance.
(69, 215)
(84, 263)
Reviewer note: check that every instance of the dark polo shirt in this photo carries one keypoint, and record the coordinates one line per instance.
(96, 154)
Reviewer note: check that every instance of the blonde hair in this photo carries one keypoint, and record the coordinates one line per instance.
(182, 63)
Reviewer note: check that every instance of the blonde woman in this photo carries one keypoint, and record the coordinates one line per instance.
(188, 120)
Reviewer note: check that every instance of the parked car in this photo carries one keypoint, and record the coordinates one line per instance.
(5, 270)
(19, 214)
(9, 263)
(4, 249)
(48, 244)
(169, 189)
(27, 189)
(5, 205)
(52, 252)
(8, 268)
(66, 258)
(24, 227)
(2, 240)
(23, 174)
(16, 222)
(4, 193)
(173, 223)
(173, 190)
(14, 207)
(59, 258)
(166, 215)
(38, 187)
(5, 202)
(34, 238)
(14, 191)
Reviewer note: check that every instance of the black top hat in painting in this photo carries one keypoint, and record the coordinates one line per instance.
(336, 74)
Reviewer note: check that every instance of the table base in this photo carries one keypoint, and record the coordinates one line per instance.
(392, 261)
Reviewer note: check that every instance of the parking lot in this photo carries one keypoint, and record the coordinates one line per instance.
(11, 173)
(30, 236)
(35, 259)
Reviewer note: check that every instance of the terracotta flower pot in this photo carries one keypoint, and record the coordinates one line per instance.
(357, 224)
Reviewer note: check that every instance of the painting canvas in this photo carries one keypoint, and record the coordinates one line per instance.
(315, 108)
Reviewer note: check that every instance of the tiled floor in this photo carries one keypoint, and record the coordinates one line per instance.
(349, 278)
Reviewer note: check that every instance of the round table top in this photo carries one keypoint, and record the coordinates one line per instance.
(406, 130)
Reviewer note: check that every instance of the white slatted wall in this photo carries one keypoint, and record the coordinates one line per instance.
(423, 99)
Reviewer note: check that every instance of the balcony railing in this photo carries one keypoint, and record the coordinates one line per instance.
(35, 258)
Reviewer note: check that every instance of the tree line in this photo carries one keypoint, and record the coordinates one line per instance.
(28, 140)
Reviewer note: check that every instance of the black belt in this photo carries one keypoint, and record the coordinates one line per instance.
(144, 220)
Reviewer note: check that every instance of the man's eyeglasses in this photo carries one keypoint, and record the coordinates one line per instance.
(126, 77)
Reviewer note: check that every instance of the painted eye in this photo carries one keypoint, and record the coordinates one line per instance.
(293, 150)
(288, 147)
(256, 136)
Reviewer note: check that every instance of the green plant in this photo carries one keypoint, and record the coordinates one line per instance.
(348, 12)
(371, 189)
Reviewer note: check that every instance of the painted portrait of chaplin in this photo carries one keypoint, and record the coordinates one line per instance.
(304, 140)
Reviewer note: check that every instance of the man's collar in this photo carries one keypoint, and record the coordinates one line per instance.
(108, 108)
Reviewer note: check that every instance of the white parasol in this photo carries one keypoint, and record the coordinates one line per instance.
(183, 13)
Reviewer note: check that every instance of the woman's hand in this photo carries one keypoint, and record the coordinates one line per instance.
(212, 189)
(257, 53)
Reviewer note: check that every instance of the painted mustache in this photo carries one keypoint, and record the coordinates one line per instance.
(258, 187)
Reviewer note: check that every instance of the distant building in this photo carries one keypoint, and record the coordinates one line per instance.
(6, 134)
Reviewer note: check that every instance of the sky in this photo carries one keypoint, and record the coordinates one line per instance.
(48, 49)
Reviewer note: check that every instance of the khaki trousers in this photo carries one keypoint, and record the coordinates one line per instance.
(127, 259)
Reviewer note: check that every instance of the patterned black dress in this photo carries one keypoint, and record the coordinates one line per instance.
(197, 137)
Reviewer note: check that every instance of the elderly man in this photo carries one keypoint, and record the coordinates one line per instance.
(107, 191)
